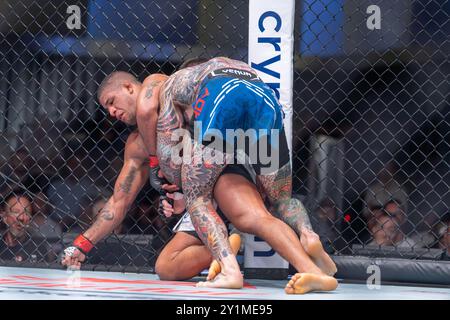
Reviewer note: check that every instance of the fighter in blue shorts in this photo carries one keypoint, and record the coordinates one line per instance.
(230, 99)
(217, 95)
(212, 100)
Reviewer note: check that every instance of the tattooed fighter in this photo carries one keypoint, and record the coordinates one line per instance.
(224, 94)
(185, 256)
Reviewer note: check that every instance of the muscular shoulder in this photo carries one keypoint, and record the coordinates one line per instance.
(155, 77)
(135, 148)
(220, 62)
(150, 86)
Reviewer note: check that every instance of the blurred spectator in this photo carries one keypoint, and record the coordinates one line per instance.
(145, 219)
(385, 213)
(72, 191)
(325, 225)
(90, 215)
(16, 170)
(19, 165)
(109, 170)
(42, 225)
(386, 232)
(442, 233)
(16, 241)
(424, 236)
(21, 169)
(380, 195)
(328, 225)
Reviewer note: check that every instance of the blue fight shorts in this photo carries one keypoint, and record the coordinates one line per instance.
(231, 99)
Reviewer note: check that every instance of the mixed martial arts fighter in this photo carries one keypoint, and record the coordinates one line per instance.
(168, 100)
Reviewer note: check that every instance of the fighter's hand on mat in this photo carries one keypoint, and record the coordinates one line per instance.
(73, 258)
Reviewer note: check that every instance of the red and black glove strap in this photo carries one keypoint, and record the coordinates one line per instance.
(83, 244)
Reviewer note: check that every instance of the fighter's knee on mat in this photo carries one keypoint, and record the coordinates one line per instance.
(166, 269)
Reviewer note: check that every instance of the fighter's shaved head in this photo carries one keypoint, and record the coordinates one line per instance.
(114, 80)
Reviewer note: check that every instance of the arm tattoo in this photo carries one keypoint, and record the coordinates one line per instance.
(150, 87)
(171, 170)
(168, 118)
(125, 186)
(107, 213)
(168, 121)
(198, 178)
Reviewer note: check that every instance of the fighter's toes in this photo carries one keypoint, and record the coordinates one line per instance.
(294, 279)
(289, 290)
(306, 282)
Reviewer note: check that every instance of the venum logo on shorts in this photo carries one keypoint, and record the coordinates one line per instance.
(237, 73)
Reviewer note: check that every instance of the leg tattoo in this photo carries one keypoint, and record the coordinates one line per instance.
(210, 228)
(278, 188)
(198, 181)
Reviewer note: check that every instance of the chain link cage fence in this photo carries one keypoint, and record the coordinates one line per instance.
(371, 145)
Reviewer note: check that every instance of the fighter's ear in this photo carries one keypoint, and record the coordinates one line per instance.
(129, 87)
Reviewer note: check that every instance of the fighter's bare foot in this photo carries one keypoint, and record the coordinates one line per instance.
(214, 269)
(232, 281)
(302, 283)
(313, 247)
